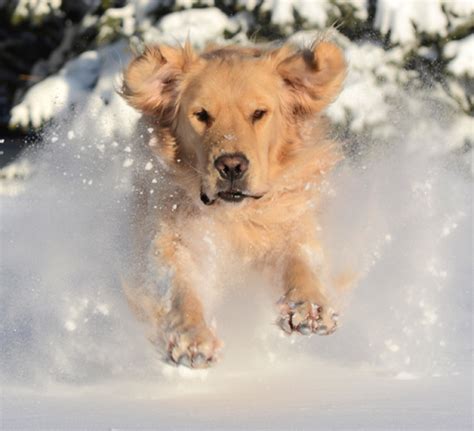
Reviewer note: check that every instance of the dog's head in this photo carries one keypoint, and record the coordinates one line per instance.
(233, 116)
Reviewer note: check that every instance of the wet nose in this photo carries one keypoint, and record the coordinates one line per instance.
(232, 166)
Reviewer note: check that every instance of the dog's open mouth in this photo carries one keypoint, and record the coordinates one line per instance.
(228, 196)
(235, 196)
(232, 196)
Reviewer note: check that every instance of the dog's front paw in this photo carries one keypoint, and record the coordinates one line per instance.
(193, 347)
(306, 317)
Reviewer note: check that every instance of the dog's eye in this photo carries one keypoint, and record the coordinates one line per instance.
(258, 114)
(202, 116)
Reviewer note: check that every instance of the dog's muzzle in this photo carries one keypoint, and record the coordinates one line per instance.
(232, 170)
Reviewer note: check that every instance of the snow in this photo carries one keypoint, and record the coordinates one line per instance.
(127, 163)
(57, 93)
(35, 10)
(460, 7)
(403, 19)
(360, 7)
(12, 177)
(123, 16)
(462, 55)
(313, 13)
(371, 113)
(283, 11)
(130, 19)
(91, 82)
(199, 25)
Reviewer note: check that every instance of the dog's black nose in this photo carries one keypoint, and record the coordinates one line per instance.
(232, 166)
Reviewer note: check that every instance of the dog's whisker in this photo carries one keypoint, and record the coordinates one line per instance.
(194, 168)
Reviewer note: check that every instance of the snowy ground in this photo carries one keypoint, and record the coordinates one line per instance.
(307, 395)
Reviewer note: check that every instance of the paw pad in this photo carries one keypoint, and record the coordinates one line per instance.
(193, 349)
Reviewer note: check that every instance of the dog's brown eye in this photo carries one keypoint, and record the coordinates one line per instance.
(202, 116)
(258, 114)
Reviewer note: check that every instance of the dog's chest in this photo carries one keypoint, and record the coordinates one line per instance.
(257, 236)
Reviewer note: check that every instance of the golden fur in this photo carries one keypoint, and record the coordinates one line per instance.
(264, 105)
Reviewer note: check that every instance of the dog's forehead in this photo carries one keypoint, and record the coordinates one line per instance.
(244, 77)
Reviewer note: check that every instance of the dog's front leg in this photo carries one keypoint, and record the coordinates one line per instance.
(177, 312)
(190, 341)
(305, 306)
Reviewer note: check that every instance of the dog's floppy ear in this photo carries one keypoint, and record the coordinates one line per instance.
(152, 81)
(313, 76)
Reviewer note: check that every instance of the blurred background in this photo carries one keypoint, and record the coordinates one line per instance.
(52, 52)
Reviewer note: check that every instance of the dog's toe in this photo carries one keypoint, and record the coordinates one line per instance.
(284, 323)
(305, 328)
(200, 361)
(185, 360)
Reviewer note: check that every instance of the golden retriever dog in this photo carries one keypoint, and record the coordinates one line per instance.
(239, 143)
